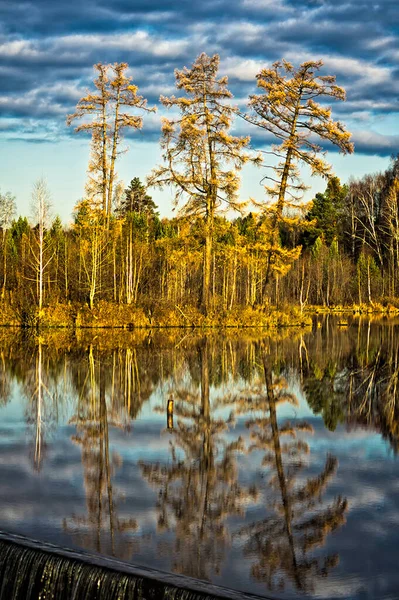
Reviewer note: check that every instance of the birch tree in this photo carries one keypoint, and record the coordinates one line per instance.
(7, 214)
(40, 249)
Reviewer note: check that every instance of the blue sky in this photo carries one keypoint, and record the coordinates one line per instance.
(47, 50)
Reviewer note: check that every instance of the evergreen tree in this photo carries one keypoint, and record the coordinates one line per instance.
(137, 200)
(326, 212)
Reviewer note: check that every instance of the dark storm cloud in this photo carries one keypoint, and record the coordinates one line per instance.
(47, 50)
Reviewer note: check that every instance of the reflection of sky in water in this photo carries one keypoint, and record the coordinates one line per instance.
(36, 503)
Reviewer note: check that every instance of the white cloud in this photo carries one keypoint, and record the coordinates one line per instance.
(353, 67)
(382, 42)
(20, 48)
(266, 5)
(139, 41)
(375, 141)
(241, 68)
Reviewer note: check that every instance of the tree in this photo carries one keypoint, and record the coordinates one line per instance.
(41, 204)
(138, 211)
(391, 215)
(297, 519)
(198, 489)
(107, 126)
(19, 251)
(287, 109)
(90, 226)
(7, 214)
(137, 200)
(198, 150)
(326, 211)
(58, 238)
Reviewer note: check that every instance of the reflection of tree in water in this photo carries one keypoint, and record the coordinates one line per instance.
(131, 385)
(326, 391)
(101, 530)
(5, 379)
(360, 388)
(26, 358)
(127, 384)
(298, 520)
(42, 409)
(198, 488)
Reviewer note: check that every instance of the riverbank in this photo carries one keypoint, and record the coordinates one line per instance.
(389, 308)
(123, 316)
(128, 317)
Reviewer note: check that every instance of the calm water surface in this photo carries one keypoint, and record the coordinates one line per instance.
(263, 464)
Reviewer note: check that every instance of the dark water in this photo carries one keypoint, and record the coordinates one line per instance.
(268, 465)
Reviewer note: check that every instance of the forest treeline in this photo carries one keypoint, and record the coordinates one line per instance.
(341, 249)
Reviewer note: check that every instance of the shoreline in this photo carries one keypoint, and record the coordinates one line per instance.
(123, 317)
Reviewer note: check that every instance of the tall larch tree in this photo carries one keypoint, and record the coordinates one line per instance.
(123, 96)
(106, 106)
(201, 156)
(288, 107)
(96, 105)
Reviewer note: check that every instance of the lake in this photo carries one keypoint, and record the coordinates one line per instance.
(264, 463)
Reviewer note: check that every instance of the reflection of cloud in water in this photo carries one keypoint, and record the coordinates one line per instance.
(37, 503)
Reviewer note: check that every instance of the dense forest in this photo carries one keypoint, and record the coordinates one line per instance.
(219, 254)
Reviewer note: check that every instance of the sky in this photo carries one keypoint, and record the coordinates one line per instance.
(47, 52)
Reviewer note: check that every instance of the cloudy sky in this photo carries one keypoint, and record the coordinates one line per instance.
(47, 50)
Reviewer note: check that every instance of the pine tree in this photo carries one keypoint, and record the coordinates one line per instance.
(326, 212)
(137, 200)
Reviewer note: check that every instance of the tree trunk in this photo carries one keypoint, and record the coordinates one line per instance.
(207, 262)
(3, 291)
(113, 155)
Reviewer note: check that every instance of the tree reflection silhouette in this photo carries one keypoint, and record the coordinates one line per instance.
(41, 413)
(198, 488)
(297, 518)
(360, 387)
(349, 376)
(101, 529)
(5, 380)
